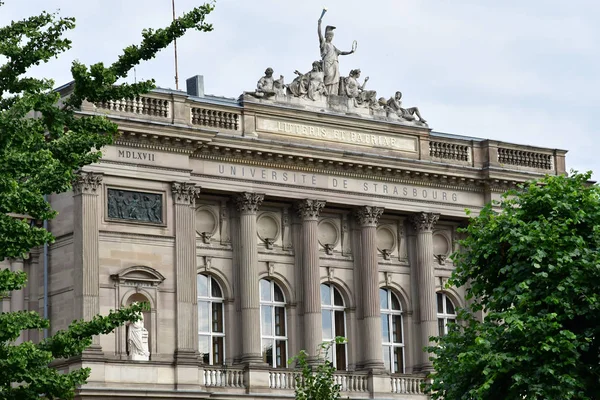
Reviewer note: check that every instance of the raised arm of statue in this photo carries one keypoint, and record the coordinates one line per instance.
(320, 33)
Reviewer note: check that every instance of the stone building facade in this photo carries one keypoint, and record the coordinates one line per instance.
(257, 227)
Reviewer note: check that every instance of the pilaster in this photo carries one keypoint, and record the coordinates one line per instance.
(309, 211)
(184, 200)
(86, 303)
(17, 297)
(248, 204)
(423, 224)
(367, 217)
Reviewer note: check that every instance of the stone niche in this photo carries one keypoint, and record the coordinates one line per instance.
(330, 234)
(138, 284)
(442, 245)
(269, 229)
(212, 222)
(391, 243)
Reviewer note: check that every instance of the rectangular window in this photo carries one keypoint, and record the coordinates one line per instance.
(204, 348)
(399, 360)
(218, 348)
(385, 328)
(217, 317)
(279, 321)
(340, 357)
(203, 316)
(267, 351)
(267, 320)
(281, 354)
(327, 328)
(441, 326)
(397, 328)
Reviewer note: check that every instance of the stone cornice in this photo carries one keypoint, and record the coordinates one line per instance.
(173, 144)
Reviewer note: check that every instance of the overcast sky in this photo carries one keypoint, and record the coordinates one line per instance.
(518, 71)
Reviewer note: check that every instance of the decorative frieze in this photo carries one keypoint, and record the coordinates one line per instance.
(368, 215)
(424, 221)
(185, 193)
(248, 202)
(135, 206)
(87, 182)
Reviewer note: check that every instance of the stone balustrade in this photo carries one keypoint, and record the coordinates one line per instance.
(215, 118)
(350, 382)
(407, 384)
(141, 106)
(283, 379)
(521, 158)
(218, 377)
(449, 151)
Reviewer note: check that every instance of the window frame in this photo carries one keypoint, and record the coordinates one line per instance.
(389, 313)
(273, 304)
(333, 308)
(210, 334)
(444, 315)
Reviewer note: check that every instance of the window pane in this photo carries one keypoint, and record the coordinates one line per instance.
(204, 347)
(383, 299)
(449, 306)
(265, 290)
(267, 351)
(217, 317)
(395, 303)
(440, 303)
(399, 360)
(218, 353)
(340, 328)
(450, 320)
(281, 354)
(325, 295)
(267, 320)
(279, 321)
(397, 328)
(278, 293)
(441, 326)
(203, 316)
(385, 328)
(337, 298)
(386, 358)
(340, 357)
(215, 289)
(202, 283)
(327, 327)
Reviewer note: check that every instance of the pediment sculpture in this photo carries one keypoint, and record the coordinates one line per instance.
(323, 86)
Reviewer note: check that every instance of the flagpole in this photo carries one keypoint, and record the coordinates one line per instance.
(175, 47)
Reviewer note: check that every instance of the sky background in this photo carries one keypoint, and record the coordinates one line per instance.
(525, 72)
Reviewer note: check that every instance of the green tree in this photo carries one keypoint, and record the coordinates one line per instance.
(534, 269)
(315, 382)
(42, 145)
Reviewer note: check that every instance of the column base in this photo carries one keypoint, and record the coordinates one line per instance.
(187, 357)
(254, 361)
(93, 353)
(375, 366)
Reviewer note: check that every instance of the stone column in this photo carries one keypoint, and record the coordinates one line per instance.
(423, 224)
(371, 312)
(311, 277)
(247, 204)
(17, 297)
(184, 199)
(86, 188)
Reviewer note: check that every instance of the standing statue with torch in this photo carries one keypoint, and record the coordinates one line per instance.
(329, 55)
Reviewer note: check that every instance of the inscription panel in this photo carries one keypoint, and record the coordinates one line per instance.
(353, 137)
(350, 185)
(134, 206)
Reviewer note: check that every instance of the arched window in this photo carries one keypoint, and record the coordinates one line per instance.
(211, 332)
(445, 313)
(392, 332)
(334, 323)
(273, 324)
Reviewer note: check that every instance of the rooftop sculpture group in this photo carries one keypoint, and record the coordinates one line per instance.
(323, 84)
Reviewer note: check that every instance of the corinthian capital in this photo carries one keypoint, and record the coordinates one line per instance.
(248, 202)
(424, 221)
(87, 182)
(368, 215)
(185, 193)
(310, 209)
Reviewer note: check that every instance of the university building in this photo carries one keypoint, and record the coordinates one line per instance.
(260, 226)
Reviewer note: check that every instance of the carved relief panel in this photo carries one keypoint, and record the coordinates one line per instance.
(135, 206)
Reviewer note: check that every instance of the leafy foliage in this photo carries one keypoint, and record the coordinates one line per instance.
(42, 145)
(533, 268)
(316, 381)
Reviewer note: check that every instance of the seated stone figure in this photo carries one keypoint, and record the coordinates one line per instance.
(351, 88)
(310, 84)
(407, 114)
(267, 86)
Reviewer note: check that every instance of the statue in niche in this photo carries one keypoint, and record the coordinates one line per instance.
(267, 86)
(137, 341)
(329, 55)
(407, 114)
(310, 84)
(357, 92)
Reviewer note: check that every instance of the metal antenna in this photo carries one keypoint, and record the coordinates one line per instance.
(175, 47)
